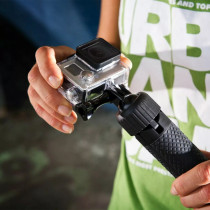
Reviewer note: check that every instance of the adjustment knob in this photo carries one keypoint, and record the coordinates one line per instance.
(137, 113)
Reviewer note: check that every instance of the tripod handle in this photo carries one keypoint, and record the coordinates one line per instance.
(174, 150)
(141, 116)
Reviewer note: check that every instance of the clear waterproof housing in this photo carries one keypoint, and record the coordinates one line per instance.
(93, 69)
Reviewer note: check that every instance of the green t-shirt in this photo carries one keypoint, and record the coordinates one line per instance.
(169, 45)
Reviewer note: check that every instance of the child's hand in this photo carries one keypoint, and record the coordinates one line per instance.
(45, 77)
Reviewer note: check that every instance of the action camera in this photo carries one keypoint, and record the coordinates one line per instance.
(95, 75)
(94, 67)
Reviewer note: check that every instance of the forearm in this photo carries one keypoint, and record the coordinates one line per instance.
(108, 25)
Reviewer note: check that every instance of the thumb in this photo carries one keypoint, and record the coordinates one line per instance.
(47, 58)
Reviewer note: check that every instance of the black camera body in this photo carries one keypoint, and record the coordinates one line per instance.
(94, 67)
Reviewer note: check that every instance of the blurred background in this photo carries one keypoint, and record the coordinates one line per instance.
(41, 168)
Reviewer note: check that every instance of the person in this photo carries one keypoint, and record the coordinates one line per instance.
(169, 46)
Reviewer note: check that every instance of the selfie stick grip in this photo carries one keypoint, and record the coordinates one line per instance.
(175, 151)
(141, 117)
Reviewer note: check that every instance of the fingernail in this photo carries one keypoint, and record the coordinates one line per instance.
(64, 110)
(54, 81)
(66, 128)
(69, 119)
(173, 191)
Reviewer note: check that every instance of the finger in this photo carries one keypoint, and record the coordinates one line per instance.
(58, 125)
(47, 57)
(191, 180)
(207, 154)
(206, 207)
(125, 60)
(198, 198)
(49, 95)
(35, 98)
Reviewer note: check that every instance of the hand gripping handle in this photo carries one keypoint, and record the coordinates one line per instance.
(142, 117)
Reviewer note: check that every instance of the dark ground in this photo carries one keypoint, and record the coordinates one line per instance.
(41, 168)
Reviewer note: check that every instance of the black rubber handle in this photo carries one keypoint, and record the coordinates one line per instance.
(141, 117)
(175, 151)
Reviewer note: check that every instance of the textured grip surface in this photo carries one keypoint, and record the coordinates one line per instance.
(175, 151)
(142, 117)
